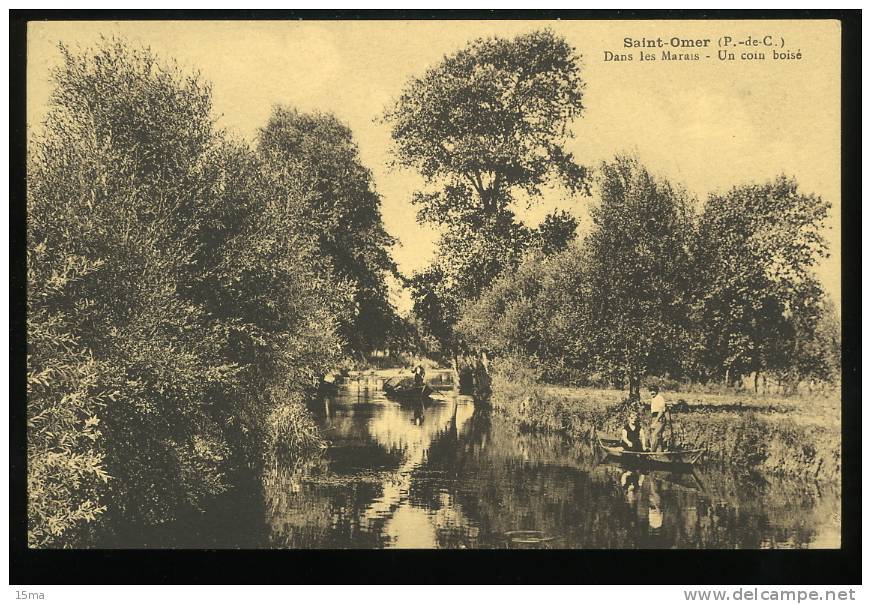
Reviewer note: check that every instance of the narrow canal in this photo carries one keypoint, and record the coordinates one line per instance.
(448, 475)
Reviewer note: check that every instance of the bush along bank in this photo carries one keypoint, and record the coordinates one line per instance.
(176, 310)
(749, 440)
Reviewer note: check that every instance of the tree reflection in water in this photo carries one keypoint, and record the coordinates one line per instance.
(447, 475)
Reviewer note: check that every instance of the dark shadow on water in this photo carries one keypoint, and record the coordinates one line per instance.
(466, 478)
(233, 520)
(446, 473)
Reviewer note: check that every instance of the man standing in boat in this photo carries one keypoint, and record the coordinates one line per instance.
(658, 411)
(419, 375)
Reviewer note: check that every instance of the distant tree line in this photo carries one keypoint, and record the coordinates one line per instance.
(184, 291)
(655, 288)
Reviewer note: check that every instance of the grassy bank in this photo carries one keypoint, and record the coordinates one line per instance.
(794, 436)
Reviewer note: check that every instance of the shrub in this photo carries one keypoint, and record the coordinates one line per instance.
(66, 477)
(173, 306)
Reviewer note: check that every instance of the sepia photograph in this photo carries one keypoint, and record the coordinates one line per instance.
(499, 284)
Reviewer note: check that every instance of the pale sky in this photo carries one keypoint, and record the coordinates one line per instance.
(707, 125)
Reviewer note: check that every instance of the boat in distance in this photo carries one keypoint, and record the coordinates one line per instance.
(406, 390)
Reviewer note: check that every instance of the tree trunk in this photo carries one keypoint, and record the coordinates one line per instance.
(634, 386)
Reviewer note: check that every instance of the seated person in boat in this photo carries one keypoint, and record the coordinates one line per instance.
(658, 414)
(633, 437)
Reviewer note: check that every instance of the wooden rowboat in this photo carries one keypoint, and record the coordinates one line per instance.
(683, 458)
(406, 390)
(325, 387)
(408, 395)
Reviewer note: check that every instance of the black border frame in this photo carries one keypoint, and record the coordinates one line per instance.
(48, 567)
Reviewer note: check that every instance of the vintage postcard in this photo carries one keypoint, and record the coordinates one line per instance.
(463, 284)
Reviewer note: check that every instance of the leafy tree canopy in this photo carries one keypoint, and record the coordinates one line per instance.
(489, 119)
(756, 248)
(640, 271)
(484, 125)
(318, 154)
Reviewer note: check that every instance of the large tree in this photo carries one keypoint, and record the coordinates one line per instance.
(758, 296)
(119, 181)
(640, 270)
(317, 154)
(488, 120)
(485, 126)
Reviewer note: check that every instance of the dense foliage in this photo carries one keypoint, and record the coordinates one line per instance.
(758, 299)
(344, 217)
(657, 289)
(178, 311)
(639, 273)
(489, 119)
(485, 127)
(534, 313)
(468, 260)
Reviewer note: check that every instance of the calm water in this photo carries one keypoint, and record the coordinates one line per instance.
(445, 475)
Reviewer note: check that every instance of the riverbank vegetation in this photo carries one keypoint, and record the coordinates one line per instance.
(728, 317)
(652, 292)
(660, 287)
(719, 295)
(797, 435)
(185, 291)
